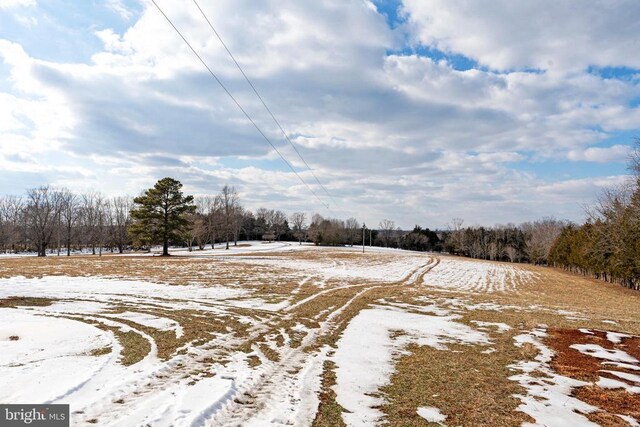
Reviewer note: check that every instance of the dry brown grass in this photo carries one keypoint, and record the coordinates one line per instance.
(101, 351)
(605, 419)
(329, 413)
(473, 388)
(24, 302)
(594, 299)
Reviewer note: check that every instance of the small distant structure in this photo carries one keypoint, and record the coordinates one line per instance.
(269, 236)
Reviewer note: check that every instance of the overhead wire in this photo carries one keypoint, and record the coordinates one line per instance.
(246, 114)
(264, 104)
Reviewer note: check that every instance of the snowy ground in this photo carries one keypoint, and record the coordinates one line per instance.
(477, 276)
(244, 337)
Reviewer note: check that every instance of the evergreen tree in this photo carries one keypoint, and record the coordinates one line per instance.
(161, 213)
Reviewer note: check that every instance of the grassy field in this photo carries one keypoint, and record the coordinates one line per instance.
(268, 335)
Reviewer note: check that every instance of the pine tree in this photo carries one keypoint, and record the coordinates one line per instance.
(161, 213)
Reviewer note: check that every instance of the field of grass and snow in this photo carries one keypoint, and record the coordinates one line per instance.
(282, 334)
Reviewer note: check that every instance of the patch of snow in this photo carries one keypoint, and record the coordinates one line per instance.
(603, 353)
(50, 358)
(616, 337)
(625, 376)
(294, 399)
(75, 307)
(622, 365)
(632, 421)
(548, 400)
(501, 327)
(431, 309)
(144, 319)
(397, 266)
(106, 290)
(585, 331)
(477, 276)
(610, 383)
(432, 415)
(365, 353)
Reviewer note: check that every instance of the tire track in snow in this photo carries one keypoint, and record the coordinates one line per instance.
(255, 398)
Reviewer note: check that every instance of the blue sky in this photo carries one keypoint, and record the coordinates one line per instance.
(413, 110)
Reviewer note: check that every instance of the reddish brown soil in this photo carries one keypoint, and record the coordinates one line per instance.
(571, 363)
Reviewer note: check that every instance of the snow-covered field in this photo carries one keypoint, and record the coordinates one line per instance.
(248, 337)
(477, 276)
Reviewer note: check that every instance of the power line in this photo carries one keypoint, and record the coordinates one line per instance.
(239, 105)
(264, 104)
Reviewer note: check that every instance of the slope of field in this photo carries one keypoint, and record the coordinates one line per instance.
(286, 335)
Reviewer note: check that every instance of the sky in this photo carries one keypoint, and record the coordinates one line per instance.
(418, 111)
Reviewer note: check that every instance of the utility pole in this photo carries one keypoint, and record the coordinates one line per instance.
(370, 237)
(364, 227)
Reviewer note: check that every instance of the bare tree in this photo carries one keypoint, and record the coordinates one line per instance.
(387, 227)
(236, 223)
(42, 215)
(352, 229)
(103, 223)
(278, 223)
(229, 203)
(91, 206)
(12, 219)
(298, 220)
(189, 233)
(457, 235)
(121, 220)
(200, 220)
(540, 236)
(211, 207)
(512, 253)
(70, 214)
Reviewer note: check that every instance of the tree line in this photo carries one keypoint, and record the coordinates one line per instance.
(607, 245)
(60, 221)
(52, 220)
(530, 242)
(48, 219)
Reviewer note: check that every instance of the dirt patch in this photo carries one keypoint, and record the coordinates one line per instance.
(571, 363)
(25, 302)
(612, 401)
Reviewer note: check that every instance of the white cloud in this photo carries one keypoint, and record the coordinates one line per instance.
(27, 21)
(615, 153)
(9, 4)
(542, 34)
(118, 7)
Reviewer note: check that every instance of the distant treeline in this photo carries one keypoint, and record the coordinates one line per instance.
(529, 242)
(48, 219)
